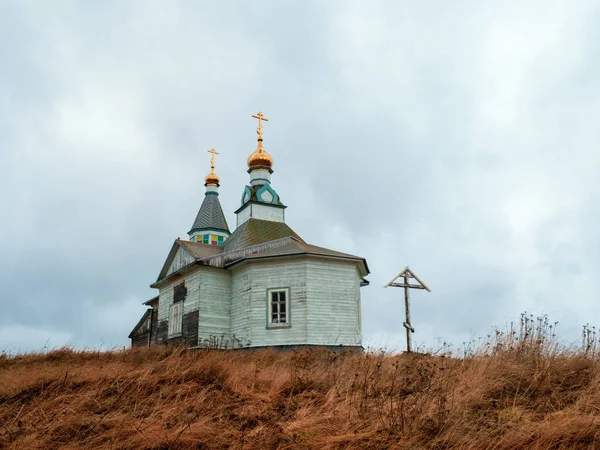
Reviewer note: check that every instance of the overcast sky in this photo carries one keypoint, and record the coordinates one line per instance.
(459, 138)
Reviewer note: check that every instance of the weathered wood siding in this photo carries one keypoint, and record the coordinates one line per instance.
(249, 302)
(214, 299)
(324, 302)
(141, 336)
(154, 327)
(190, 310)
(231, 306)
(181, 259)
(240, 306)
(206, 306)
(333, 312)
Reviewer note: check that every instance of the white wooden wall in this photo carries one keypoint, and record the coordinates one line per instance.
(214, 302)
(260, 211)
(191, 303)
(333, 291)
(249, 302)
(240, 307)
(324, 302)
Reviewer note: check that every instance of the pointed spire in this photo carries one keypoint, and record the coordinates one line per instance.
(210, 226)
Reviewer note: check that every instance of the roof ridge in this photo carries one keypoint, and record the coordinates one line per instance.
(329, 250)
(226, 257)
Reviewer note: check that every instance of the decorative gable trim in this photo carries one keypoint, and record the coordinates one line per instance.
(147, 315)
(246, 195)
(262, 195)
(219, 230)
(178, 258)
(253, 202)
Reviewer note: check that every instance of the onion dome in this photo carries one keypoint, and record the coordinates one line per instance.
(212, 179)
(260, 158)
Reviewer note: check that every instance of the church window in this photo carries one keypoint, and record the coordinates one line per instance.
(279, 310)
(206, 239)
(175, 319)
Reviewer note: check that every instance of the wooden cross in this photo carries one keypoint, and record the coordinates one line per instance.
(212, 158)
(406, 274)
(260, 118)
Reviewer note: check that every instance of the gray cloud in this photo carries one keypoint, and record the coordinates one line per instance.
(458, 139)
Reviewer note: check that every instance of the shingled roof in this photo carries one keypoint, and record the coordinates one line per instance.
(210, 215)
(254, 239)
(257, 231)
(293, 246)
(199, 250)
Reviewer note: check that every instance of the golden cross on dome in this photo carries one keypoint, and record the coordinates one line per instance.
(212, 158)
(260, 118)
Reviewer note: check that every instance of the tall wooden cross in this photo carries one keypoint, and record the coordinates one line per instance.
(407, 274)
(260, 116)
(212, 158)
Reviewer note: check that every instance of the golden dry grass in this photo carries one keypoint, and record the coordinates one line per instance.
(168, 398)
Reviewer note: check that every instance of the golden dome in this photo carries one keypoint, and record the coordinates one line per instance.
(211, 179)
(260, 158)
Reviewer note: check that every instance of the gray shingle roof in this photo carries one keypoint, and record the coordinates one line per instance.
(299, 248)
(210, 215)
(199, 250)
(257, 231)
(255, 239)
(294, 247)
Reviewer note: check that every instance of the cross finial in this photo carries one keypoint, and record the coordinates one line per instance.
(212, 159)
(260, 116)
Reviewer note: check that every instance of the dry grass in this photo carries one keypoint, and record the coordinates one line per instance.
(167, 398)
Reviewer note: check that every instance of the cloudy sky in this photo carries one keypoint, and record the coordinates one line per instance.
(459, 138)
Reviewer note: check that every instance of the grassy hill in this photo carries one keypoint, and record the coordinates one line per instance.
(502, 397)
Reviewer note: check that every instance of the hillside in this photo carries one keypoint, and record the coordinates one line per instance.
(169, 398)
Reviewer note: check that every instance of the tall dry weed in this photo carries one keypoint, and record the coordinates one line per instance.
(517, 390)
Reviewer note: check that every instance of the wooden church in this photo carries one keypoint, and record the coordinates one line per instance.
(260, 285)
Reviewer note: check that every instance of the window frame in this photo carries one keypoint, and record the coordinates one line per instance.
(175, 329)
(269, 301)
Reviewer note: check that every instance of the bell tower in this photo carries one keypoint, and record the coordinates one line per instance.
(259, 199)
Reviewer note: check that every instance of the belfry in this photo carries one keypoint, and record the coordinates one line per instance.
(261, 285)
(259, 200)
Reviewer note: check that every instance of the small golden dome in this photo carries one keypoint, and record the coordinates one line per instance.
(260, 158)
(212, 179)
